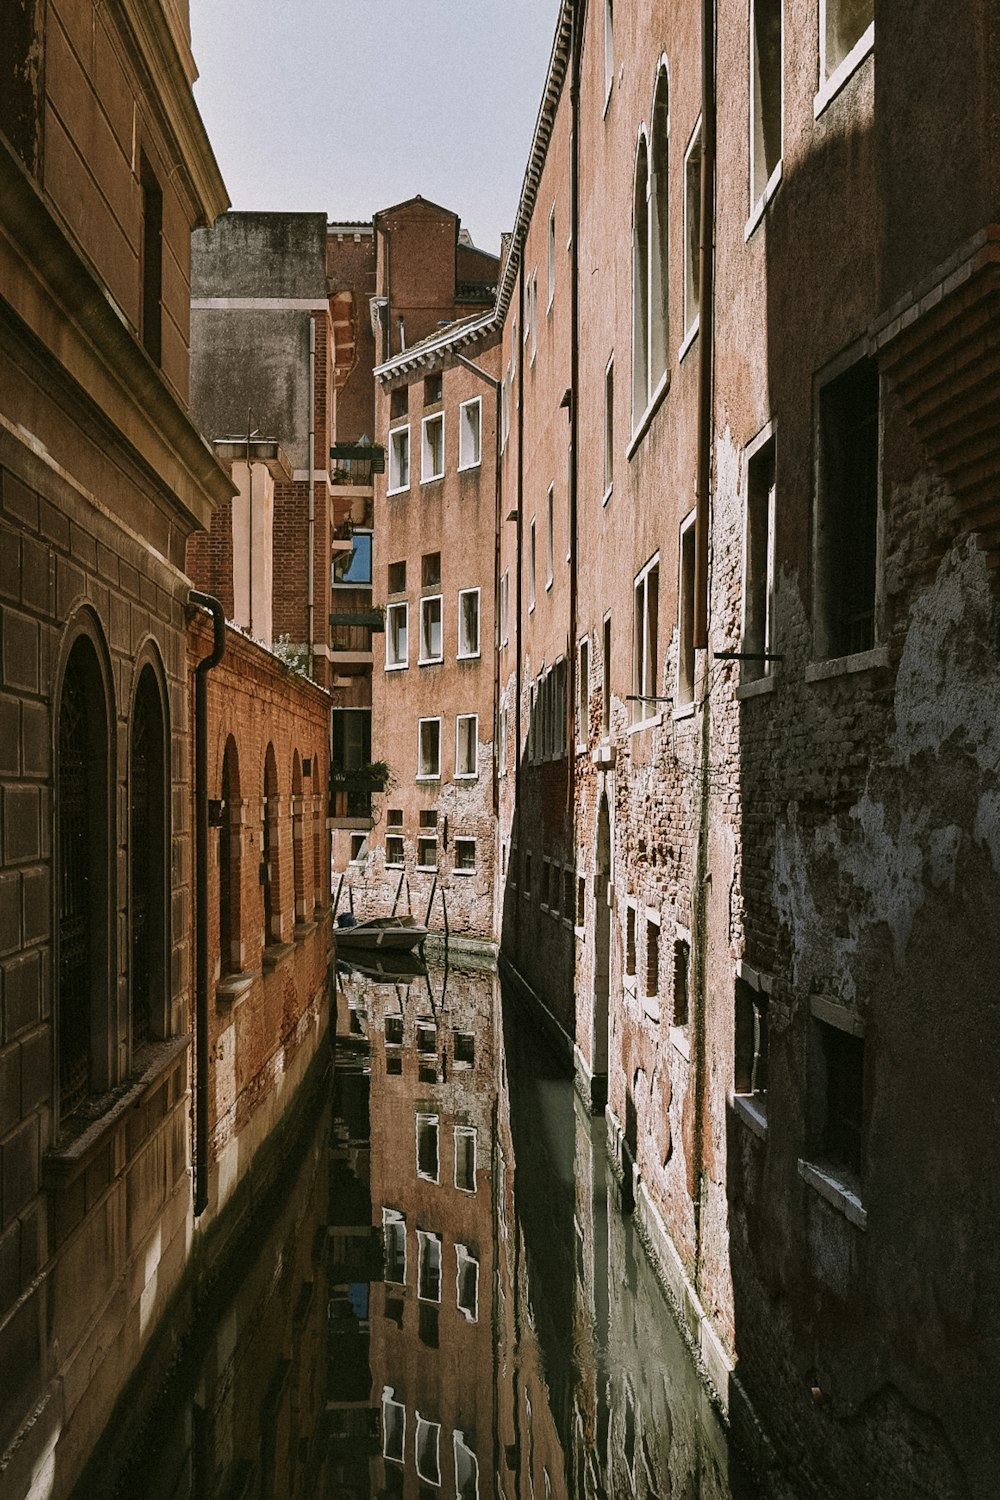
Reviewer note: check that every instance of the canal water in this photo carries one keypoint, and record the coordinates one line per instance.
(447, 1300)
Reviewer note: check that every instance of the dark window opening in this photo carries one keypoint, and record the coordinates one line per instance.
(152, 261)
(430, 570)
(397, 577)
(682, 965)
(842, 1057)
(751, 1042)
(433, 389)
(147, 845)
(847, 512)
(759, 603)
(399, 402)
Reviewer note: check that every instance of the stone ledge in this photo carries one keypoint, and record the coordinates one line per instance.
(845, 666)
(836, 1193)
(234, 986)
(753, 1117)
(276, 954)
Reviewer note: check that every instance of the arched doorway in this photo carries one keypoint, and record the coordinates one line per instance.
(602, 959)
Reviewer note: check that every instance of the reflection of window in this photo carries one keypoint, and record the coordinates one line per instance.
(394, 1245)
(470, 433)
(467, 1283)
(432, 448)
(393, 1428)
(465, 855)
(396, 641)
(465, 1048)
(468, 622)
(354, 569)
(428, 1266)
(431, 639)
(399, 460)
(428, 1451)
(394, 1030)
(427, 1147)
(465, 1158)
(466, 1470)
(429, 749)
(426, 1038)
(467, 745)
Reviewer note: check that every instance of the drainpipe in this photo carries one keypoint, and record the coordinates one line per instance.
(574, 379)
(311, 583)
(201, 671)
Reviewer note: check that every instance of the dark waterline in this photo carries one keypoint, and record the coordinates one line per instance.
(447, 1300)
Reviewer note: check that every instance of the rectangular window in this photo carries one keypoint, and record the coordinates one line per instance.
(397, 578)
(427, 853)
(836, 1098)
(432, 448)
(569, 894)
(555, 891)
(533, 289)
(581, 900)
(630, 941)
(465, 1158)
(433, 389)
(393, 1428)
(846, 532)
(396, 643)
(583, 693)
(682, 967)
(751, 1043)
(692, 233)
(399, 460)
(354, 569)
(531, 565)
(431, 640)
(609, 46)
(394, 1030)
(428, 817)
(394, 817)
(465, 856)
(526, 885)
(467, 1283)
(429, 749)
(394, 850)
(152, 261)
(468, 622)
(467, 745)
(549, 537)
(765, 94)
(504, 607)
(430, 570)
(394, 1246)
(426, 1037)
(464, 1048)
(359, 848)
(428, 1445)
(645, 632)
(652, 957)
(844, 30)
(428, 1266)
(685, 611)
(552, 256)
(606, 678)
(470, 421)
(427, 1147)
(758, 562)
(609, 428)
(399, 402)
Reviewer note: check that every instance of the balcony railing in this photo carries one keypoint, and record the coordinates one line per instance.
(355, 463)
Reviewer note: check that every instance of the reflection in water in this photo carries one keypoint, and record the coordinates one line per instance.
(449, 1302)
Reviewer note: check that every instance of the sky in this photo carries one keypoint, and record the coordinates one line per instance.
(349, 106)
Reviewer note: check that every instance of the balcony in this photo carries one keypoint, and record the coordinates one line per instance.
(353, 465)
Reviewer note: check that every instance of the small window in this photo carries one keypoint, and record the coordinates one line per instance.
(751, 1043)
(652, 958)
(583, 692)
(467, 745)
(428, 1446)
(765, 95)
(393, 1428)
(467, 1283)
(552, 256)
(569, 898)
(682, 967)
(470, 419)
(432, 448)
(645, 676)
(429, 749)
(533, 290)
(427, 1147)
(396, 643)
(393, 1064)
(394, 1246)
(399, 460)
(847, 512)
(836, 1097)
(430, 570)
(609, 428)
(394, 1030)
(758, 563)
(640, 284)
(468, 622)
(359, 848)
(394, 817)
(399, 402)
(630, 941)
(555, 883)
(433, 389)
(152, 260)
(504, 607)
(844, 27)
(354, 569)
(431, 637)
(692, 233)
(549, 537)
(464, 1047)
(527, 873)
(428, 817)
(397, 578)
(581, 901)
(609, 47)
(685, 623)
(465, 856)
(394, 852)
(531, 565)
(606, 678)
(465, 1158)
(427, 853)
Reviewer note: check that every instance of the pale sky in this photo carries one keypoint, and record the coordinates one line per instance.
(348, 106)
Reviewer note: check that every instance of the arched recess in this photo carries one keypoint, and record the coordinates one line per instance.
(319, 832)
(298, 836)
(230, 864)
(271, 851)
(640, 281)
(149, 858)
(84, 846)
(602, 958)
(659, 231)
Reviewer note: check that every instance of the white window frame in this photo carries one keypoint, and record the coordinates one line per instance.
(469, 1131)
(504, 606)
(582, 715)
(458, 1441)
(428, 775)
(427, 1119)
(470, 655)
(459, 720)
(691, 322)
(609, 429)
(436, 1428)
(552, 258)
(426, 599)
(393, 1216)
(759, 202)
(394, 864)
(609, 50)
(427, 838)
(388, 1399)
(532, 559)
(391, 610)
(427, 476)
(460, 869)
(830, 85)
(464, 433)
(752, 672)
(685, 621)
(645, 673)
(463, 1255)
(550, 539)
(394, 466)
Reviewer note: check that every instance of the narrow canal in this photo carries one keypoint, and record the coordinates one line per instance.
(446, 1300)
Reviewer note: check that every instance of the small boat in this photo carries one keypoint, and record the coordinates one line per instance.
(403, 932)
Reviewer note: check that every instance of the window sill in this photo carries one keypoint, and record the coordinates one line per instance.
(466, 776)
(427, 869)
(401, 489)
(430, 661)
(431, 479)
(234, 987)
(837, 1193)
(757, 212)
(391, 866)
(604, 755)
(751, 1113)
(428, 776)
(689, 339)
(396, 666)
(653, 722)
(840, 76)
(302, 930)
(652, 406)
(756, 687)
(651, 1010)
(685, 710)
(467, 874)
(468, 655)
(679, 1038)
(846, 666)
(275, 955)
(467, 468)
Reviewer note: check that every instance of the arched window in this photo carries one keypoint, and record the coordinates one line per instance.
(659, 236)
(148, 853)
(298, 833)
(640, 284)
(319, 830)
(272, 881)
(230, 935)
(83, 837)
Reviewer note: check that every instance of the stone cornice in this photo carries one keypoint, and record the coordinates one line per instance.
(58, 298)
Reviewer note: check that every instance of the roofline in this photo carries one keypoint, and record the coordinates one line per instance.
(411, 359)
